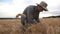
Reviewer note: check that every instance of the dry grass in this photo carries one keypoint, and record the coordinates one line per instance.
(40, 28)
(10, 27)
(54, 22)
(47, 26)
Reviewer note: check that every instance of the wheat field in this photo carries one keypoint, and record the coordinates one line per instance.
(46, 26)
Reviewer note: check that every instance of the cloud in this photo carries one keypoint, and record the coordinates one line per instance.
(10, 8)
(6, 1)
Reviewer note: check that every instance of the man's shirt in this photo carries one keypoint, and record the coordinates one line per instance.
(32, 14)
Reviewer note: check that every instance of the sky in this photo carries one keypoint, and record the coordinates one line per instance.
(10, 8)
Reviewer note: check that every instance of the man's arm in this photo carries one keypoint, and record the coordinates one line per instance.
(37, 18)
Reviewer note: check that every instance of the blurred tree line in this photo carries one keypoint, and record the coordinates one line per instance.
(53, 16)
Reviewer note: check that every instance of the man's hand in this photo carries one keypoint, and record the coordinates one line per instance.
(38, 20)
(20, 15)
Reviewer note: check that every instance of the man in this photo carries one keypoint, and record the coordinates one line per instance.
(32, 13)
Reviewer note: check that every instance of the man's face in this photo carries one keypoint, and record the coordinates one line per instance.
(40, 8)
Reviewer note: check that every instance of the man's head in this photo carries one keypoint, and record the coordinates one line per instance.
(42, 6)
